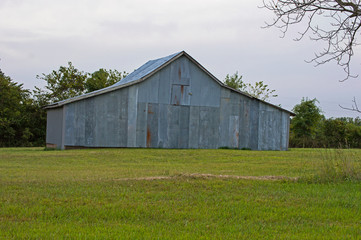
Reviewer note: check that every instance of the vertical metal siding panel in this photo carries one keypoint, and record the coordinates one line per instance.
(194, 127)
(112, 120)
(205, 91)
(185, 95)
(209, 127)
(176, 95)
(152, 125)
(236, 120)
(263, 129)
(90, 122)
(173, 126)
(184, 127)
(163, 126)
(123, 117)
(101, 109)
(204, 126)
(80, 123)
(54, 126)
(132, 116)
(69, 125)
(234, 131)
(180, 95)
(244, 136)
(225, 113)
(254, 124)
(285, 130)
(148, 90)
(278, 130)
(164, 92)
(141, 124)
(180, 73)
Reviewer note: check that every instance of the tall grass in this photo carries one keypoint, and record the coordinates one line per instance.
(338, 165)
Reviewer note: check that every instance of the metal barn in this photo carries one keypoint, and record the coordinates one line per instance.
(171, 102)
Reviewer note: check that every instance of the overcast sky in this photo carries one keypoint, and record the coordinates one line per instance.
(225, 36)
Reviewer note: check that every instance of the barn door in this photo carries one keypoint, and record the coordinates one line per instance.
(180, 77)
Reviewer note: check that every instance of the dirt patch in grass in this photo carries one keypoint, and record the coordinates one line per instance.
(206, 175)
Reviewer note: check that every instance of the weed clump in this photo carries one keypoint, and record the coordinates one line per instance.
(338, 165)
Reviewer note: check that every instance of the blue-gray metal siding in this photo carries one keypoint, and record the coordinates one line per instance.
(54, 127)
(180, 106)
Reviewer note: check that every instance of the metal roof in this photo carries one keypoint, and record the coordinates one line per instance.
(147, 70)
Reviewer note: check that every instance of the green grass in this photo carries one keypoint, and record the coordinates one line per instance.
(95, 194)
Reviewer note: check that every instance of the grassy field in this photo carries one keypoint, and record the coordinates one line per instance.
(162, 194)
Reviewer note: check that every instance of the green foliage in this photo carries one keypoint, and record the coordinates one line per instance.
(67, 82)
(103, 78)
(258, 90)
(21, 123)
(309, 128)
(235, 81)
(304, 124)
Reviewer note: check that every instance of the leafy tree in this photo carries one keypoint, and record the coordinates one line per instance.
(16, 121)
(259, 90)
(334, 22)
(65, 83)
(235, 81)
(305, 124)
(103, 78)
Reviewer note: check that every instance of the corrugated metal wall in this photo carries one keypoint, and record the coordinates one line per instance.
(178, 107)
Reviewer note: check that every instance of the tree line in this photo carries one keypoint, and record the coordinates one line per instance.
(23, 118)
(310, 128)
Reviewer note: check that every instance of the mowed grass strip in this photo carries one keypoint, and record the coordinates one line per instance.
(78, 195)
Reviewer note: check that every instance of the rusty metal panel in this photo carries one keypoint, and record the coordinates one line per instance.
(180, 73)
(180, 95)
(152, 126)
(142, 113)
(54, 127)
(194, 127)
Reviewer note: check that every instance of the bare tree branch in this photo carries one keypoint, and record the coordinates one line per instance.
(335, 22)
(354, 106)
